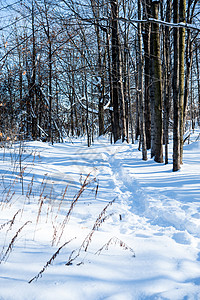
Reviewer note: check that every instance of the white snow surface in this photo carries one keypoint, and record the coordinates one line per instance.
(153, 225)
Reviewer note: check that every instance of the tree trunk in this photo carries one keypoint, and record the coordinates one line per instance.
(110, 82)
(118, 95)
(140, 87)
(176, 109)
(146, 42)
(158, 127)
(152, 98)
(182, 11)
(198, 80)
(34, 103)
(167, 83)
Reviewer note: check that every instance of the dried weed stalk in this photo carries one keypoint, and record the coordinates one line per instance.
(30, 188)
(61, 201)
(50, 205)
(56, 228)
(54, 235)
(13, 219)
(40, 208)
(50, 261)
(84, 246)
(41, 198)
(5, 224)
(43, 186)
(115, 241)
(101, 219)
(74, 201)
(10, 193)
(11, 222)
(10, 246)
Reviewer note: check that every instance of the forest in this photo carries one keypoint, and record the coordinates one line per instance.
(129, 69)
(99, 149)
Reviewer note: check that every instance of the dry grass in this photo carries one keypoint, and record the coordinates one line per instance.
(11, 222)
(85, 244)
(117, 242)
(5, 255)
(53, 215)
(50, 261)
(85, 184)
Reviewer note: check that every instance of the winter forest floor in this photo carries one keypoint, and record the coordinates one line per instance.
(130, 230)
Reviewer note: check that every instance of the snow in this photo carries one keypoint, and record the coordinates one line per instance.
(149, 241)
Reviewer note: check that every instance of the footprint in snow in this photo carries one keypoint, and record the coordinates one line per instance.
(182, 238)
(198, 256)
(196, 216)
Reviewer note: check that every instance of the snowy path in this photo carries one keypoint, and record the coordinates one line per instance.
(156, 213)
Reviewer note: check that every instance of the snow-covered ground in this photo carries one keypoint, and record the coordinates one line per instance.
(130, 230)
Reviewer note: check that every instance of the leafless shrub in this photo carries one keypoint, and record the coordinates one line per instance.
(50, 261)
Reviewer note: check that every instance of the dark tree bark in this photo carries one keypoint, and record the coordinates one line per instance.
(176, 109)
(101, 89)
(152, 98)
(167, 82)
(115, 71)
(119, 121)
(158, 126)
(198, 80)
(146, 42)
(182, 12)
(140, 87)
(34, 103)
(189, 54)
